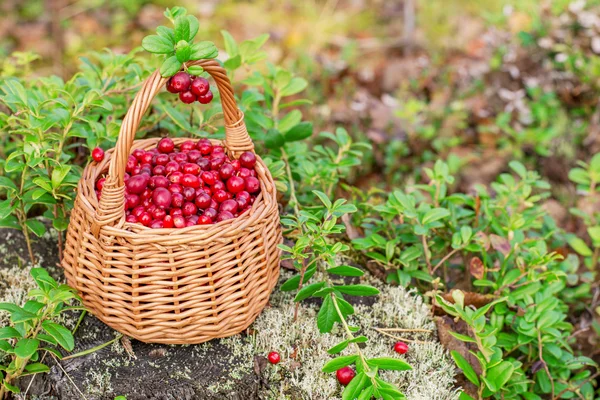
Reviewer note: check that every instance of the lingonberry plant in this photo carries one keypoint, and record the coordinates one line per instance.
(502, 240)
(31, 325)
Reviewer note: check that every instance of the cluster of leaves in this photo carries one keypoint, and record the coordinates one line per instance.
(316, 254)
(47, 120)
(176, 45)
(426, 235)
(33, 326)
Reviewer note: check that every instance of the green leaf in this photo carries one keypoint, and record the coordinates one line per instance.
(308, 291)
(323, 197)
(157, 44)
(183, 51)
(367, 393)
(7, 183)
(274, 139)
(58, 175)
(464, 365)
(36, 368)
(170, 67)
(22, 315)
(339, 362)
(231, 46)
(345, 270)
(461, 337)
(296, 85)
(166, 33)
(195, 70)
(464, 396)
(327, 316)
(519, 169)
(8, 332)
(63, 336)
(6, 347)
(355, 386)
(294, 282)
(498, 375)
(202, 50)
(299, 132)
(11, 388)
(435, 215)
(194, 26)
(339, 347)
(358, 290)
(580, 247)
(10, 307)
(26, 347)
(182, 28)
(36, 227)
(388, 363)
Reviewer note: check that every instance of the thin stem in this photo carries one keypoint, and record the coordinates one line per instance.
(93, 349)
(576, 388)
(544, 362)
(427, 255)
(68, 377)
(81, 316)
(405, 330)
(400, 338)
(443, 260)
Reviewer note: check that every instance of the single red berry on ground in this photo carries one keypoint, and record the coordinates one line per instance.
(400, 347)
(345, 375)
(274, 357)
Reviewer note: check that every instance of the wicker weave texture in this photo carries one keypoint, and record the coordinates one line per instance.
(177, 286)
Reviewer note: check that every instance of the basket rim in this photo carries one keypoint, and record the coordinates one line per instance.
(94, 170)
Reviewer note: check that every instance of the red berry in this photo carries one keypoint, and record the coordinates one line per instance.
(194, 155)
(191, 168)
(189, 193)
(145, 218)
(146, 159)
(138, 153)
(203, 201)
(159, 213)
(200, 86)
(220, 196)
(190, 180)
(175, 212)
(204, 220)
(138, 211)
(131, 164)
(205, 147)
(100, 183)
(177, 200)
(229, 205)
(162, 197)
(98, 154)
(206, 98)
(224, 215)
(170, 87)
(236, 164)
(156, 224)
(226, 171)
(219, 185)
(235, 184)
(131, 200)
(216, 162)
(176, 177)
(180, 157)
(159, 170)
(274, 357)
(166, 145)
(252, 184)
(179, 221)
(181, 81)
(168, 221)
(137, 184)
(187, 146)
(131, 218)
(203, 163)
(211, 213)
(345, 375)
(189, 209)
(218, 150)
(162, 159)
(400, 347)
(208, 178)
(187, 97)
(248, 159)
(175, 188)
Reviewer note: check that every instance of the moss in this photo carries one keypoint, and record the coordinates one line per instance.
(432, 376)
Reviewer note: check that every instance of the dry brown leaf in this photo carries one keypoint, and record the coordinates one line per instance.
(500, 244)
(476, 268)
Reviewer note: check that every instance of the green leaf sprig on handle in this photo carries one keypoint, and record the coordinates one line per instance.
(176, 45)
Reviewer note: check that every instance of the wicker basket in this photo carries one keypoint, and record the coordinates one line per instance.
(177, 286)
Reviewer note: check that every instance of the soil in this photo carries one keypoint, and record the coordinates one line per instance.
(150, 372)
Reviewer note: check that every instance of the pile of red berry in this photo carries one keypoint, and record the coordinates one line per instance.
(194, 185)
(190, 88)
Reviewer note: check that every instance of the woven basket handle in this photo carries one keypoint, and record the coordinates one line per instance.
(111, 208)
